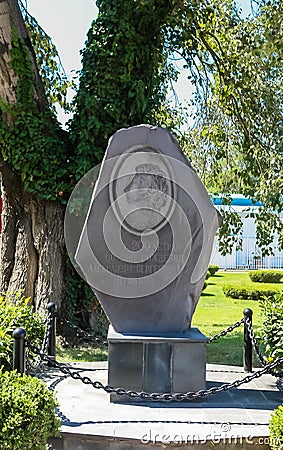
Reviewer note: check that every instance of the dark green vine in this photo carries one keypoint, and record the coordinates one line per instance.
(125, 75)
(34, 143)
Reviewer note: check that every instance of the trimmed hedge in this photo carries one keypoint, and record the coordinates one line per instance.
(276, 429)
(246, 292)
(27, 413)
(266, 276)
(212, 269)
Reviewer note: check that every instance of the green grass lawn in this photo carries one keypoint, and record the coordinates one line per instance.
(214, 313)
(85, 353)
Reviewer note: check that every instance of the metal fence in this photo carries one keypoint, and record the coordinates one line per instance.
(249, 257)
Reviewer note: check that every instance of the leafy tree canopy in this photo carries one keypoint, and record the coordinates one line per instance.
(237, 137)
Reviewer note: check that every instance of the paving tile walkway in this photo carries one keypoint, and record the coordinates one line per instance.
(242, 413)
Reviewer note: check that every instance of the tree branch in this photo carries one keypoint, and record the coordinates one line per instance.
(213, 54)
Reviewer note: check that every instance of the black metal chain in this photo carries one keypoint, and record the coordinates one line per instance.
(102, 341)
(228, 330)
(155, 396)
(85, 334)
(256, 348)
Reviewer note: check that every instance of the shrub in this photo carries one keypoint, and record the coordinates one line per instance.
(272, 325)
(212, 269)
(15, 312)
(266, 276)
(276, 429)
(204, 285)
(27, 413)
(246, 292)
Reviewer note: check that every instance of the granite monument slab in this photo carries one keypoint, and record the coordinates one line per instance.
(147, 239)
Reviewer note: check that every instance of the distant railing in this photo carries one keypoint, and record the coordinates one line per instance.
(248, 258)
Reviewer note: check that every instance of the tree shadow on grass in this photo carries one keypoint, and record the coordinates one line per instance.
(83, 353)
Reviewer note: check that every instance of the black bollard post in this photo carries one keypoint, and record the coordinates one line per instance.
(19, 350)
(248, 347)
(52, 336)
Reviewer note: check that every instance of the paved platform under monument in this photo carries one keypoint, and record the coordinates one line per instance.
(90, 421)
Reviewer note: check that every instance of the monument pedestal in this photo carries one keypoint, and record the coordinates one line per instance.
(164, 362)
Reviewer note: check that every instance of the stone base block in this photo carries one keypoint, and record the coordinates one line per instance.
(156, 363)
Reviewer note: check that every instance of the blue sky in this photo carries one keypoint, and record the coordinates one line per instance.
(67, 22)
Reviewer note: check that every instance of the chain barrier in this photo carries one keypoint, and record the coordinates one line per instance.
(72, 372)
(155, 396)
(260, 357)
(44, 346)
(101, 341)
(255, 344)
(228, 330)
(84, 334)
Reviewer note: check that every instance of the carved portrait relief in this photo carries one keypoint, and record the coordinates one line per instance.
(142, 193)
(148, 187)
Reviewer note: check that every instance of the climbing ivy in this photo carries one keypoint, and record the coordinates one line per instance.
(235, 64)
(125, 74)
(33, 142)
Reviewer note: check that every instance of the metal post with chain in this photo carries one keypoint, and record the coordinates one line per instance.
(19, 357)
(45, 343)
(260, 357)
(248, 346)
(52, 335)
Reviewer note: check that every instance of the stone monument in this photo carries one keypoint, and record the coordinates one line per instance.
(144, 249)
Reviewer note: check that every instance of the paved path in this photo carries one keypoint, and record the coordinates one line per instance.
(242, 413)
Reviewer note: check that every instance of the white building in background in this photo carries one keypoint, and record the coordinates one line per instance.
(250, 255)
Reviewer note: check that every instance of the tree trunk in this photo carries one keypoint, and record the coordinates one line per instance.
(11, 21)
(32, 241)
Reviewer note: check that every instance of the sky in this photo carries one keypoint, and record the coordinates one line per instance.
(67, 23)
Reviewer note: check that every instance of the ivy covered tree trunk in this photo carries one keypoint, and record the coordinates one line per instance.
(32, 241)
